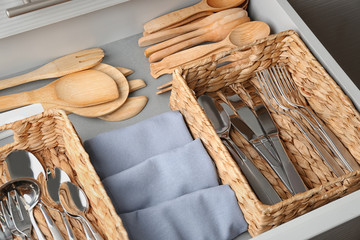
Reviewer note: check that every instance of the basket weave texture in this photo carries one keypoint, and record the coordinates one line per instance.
(235, 69)
(51, 137)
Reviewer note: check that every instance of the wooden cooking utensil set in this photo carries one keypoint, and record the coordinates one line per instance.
(85, 86)
(175, 36)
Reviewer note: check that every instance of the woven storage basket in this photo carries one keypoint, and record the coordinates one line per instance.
(51, 137)
(237, 68)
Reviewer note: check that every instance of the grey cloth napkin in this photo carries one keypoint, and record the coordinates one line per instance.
(211, 213)
(120, 149)
(163, 177)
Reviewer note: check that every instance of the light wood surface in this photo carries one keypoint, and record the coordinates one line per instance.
(125, 71)
(173, 32)
(104, 108)
(241, 35)
(62, 66)
(132, 107)
(179, 15)
(80, 89)
(213, 33)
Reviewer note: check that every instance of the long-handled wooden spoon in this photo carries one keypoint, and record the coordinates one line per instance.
(176, 16)
(212, 33)
(80, 89)
(173, 32)
(71, 63)
(241, 35)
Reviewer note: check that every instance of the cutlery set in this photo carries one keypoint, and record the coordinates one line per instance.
(86, 87)
(29, 187)
(174, 45)
(246, 113)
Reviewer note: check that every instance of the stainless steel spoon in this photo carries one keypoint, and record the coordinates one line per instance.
(53, 186)
(23, 163)
(75, 203)
(222, 124)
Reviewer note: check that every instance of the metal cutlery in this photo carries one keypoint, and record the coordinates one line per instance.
(21, 164)
(19, 214)
(5, 233)
(272, 97)
(290, 93)
(221, 123)
(267, 143)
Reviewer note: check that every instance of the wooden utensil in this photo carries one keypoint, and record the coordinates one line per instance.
(241, 35)
(71, 63)
(125, 71)
(81, 89)
(212, 33)
(173, 32)
(104, 108)
(179, 15)
(131, 107)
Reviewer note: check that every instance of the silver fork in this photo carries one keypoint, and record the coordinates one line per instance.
(272, 94)
(19, 214)
(292, 96)
(5, 229)
(9, 221)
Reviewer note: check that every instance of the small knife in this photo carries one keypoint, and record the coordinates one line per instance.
(271, 131)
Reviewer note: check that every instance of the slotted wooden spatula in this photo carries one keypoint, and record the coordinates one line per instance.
(71, 63)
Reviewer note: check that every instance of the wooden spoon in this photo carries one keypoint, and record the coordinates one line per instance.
(173, 32)
(80, 89)
(104, 108)
(179, 15)
(241, 35)
(71, 63)
(214, 32)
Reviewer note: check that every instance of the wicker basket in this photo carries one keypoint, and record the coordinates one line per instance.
(51, 137)
(236, 68)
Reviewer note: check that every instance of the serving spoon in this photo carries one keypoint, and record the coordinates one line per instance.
(239, 36)
(80, 89)
(211, 33)
(176, 16)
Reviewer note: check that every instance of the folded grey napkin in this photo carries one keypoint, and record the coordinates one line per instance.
(212, 213)
(163, 177)
(120, 149)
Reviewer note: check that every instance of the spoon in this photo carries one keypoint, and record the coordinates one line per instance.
(241, 35)
(76, 204)
(20, 164)
(71, 63)
(211, 33)
(173, 32)
(52, 186)
(80, 89)
(103, 108)
(176, 16)
(222, 125)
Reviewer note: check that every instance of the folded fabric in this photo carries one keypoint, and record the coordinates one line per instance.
(163, 177)
(211, 213)
(117, 150)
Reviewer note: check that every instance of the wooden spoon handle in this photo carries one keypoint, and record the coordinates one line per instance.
(184, 56)
(174, 17)
(17, 100)
(171, 42)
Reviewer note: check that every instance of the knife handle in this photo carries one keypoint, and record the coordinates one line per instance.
(274, 163)
(294, 178)
(261, 186)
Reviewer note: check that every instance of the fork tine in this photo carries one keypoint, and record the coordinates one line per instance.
(6, 213)
(15, 214)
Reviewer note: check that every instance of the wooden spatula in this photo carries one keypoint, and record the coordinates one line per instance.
(80, 89)
(71, 63)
